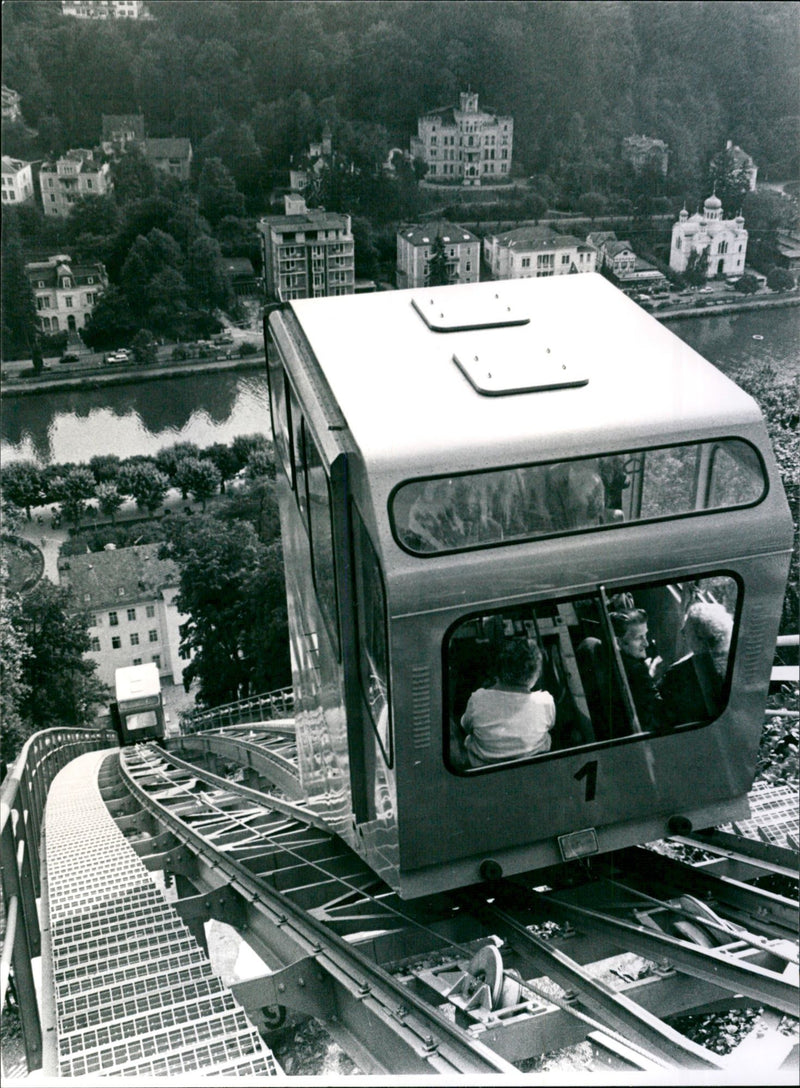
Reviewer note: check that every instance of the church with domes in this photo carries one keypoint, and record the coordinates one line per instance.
(724, 240)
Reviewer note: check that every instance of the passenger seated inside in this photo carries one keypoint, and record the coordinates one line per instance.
(509, 720)
(630, 631)
(692, 687)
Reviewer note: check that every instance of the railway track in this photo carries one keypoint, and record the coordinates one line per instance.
(474, 982)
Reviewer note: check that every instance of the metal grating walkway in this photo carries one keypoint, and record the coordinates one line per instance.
(774, 816)
(134, 993)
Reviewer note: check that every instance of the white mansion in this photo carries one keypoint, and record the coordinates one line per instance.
(724, 240)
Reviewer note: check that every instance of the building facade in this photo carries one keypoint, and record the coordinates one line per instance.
(172, 154)
(415, 247)
(130, 595)
(121, 130)
(17, 178)
(724, 241)
(643, 151)
(77, 173)
(11, 109)
(307, 253)
(104, 9)
(536, 251)
(464, 144)
(65, 293)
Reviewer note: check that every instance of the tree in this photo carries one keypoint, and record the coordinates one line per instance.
(111, 321)
(14, 690)
(77, 486)
(22, 485)
(134, 177)
(439, 272)
(696, 271)
(592, 204)
(224, 460)
(223, 569)
(205, 274)
(199, 477)
(61, 682)
(144, 347)
(105, 467)
(779, 279)
(747, 284)
(217, 192)
(730, 180)
(19, 323)
(169, 458)
(109, 499)
(145, 484)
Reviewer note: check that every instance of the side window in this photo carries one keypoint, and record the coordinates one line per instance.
(298, 455)
(736, 475)
(281, 425)
(373, 651)
(533, 679)
(322, 561)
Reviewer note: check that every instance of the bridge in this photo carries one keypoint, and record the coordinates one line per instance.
(113, 861)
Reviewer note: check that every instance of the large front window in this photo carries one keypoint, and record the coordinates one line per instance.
(504, 506)
(529, 680)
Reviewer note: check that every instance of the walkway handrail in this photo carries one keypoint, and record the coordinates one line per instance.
(23, 794)
(271, 704)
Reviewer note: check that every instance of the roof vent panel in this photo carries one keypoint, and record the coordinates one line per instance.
(457, 312)
(532, 370)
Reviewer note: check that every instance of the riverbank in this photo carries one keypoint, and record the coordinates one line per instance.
(48, 381)
(718, 309)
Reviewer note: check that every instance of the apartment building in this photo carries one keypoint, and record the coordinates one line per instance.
(105, 9)
(536, 251)
(77, 173)
(415, 247)
(465, 144)
(130, 595)
(65, 293)
(17, 181)
(642, 151)
(307, 253)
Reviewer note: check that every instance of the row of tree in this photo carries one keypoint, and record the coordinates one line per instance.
(109, 481)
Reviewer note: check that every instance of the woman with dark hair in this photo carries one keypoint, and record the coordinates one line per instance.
(509, 720)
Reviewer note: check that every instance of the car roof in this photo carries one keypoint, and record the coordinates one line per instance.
(410, 408)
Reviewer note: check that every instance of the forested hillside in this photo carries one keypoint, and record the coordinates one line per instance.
(253, 82)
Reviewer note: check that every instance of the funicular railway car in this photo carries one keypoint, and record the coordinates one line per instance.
(501, 505)
(138, 713)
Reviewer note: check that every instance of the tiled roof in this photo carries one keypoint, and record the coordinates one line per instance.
(539, 238)
(13, 166)
(238, 266)
(421, 234)
(103, 579)
(615, 247)
(123, 122)
(49, 271)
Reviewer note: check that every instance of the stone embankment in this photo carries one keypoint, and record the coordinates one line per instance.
(48, 381)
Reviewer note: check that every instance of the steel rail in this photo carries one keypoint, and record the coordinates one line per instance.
(709, 964)
(280, 770)
(752, 852)
(429, 1041)
(757, 904)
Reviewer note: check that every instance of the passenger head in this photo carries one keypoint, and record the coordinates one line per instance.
(520, 663)
(630, 630)
(708, 628)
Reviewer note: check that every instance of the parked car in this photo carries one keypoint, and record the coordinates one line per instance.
(117, 357)
(70, 357)
(705, 290)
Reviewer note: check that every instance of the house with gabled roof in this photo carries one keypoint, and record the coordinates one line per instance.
(536, 251)
(65, 292)
(415, 247)
(130, 596)
(172, 154)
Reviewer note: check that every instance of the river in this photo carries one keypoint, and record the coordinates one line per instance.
(143, 417)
